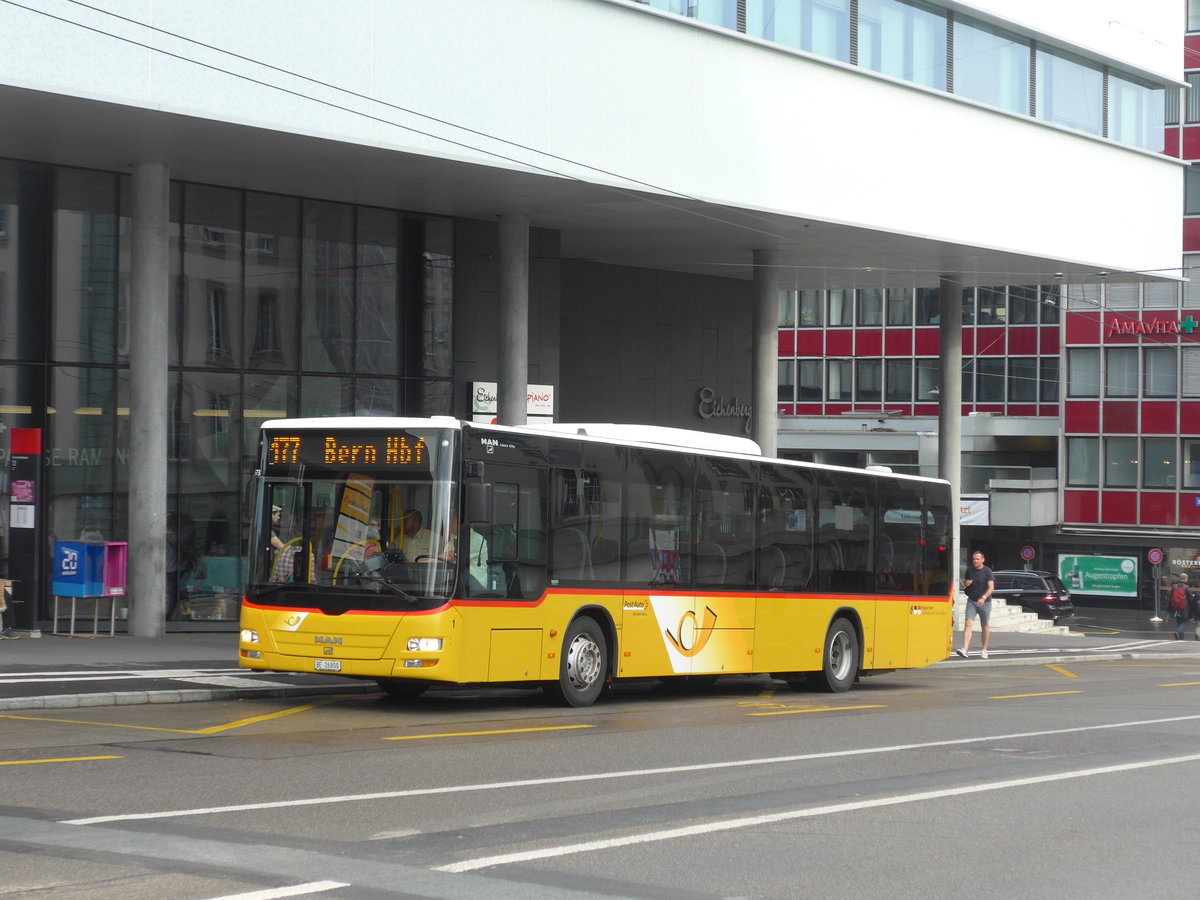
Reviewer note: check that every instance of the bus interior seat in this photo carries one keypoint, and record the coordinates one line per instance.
(572, 555)
(738, 568)
(606, 563)
(638, 568)
(710, 563)
(772, 567)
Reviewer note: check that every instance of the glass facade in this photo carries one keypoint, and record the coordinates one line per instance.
(939, 48)
(281, 306)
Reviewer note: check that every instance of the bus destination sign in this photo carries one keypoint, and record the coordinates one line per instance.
(312, 448)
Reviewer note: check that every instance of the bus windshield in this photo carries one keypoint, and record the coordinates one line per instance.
(355, 520)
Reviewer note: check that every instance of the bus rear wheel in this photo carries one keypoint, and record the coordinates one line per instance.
(402, 688)
(582, 665)
(840, 666)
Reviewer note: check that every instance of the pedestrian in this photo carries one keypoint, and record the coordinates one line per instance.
(1181, 604)
(978, 585)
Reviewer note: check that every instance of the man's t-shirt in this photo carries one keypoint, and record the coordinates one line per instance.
(979, 582)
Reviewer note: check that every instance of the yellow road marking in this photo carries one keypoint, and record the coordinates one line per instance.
(1045, 694)
(212, 729)
(422, 737)
(1181, 684)
(65, 759)
(812, 709)
(1061, 671)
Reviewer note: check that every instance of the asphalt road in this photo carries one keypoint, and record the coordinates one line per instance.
(1049, 779)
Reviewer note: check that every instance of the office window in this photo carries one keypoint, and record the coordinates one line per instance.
(899, 306)
(1171, 99)
(869, 386)
(1191, 463)
(968, 306)
(786, 392)
(1135, 112)
(929, 380)
(1122, 296)
(1193, 15)
(1083, 461)
(968, 381)
(992, 309)
(928, 306)
(1161, 376)
(989, 380)
(1189, 372)
(1121, 372)
(841, 308)
(1048, 391)
(810, 382)
(1083, 372)
(1159, 470)
(906, 40)
(1191, 190)
(1191, 115)
(817, 26)
(1022, 305)
(991, 65)
(870, 306)
(1120, 462)
(218, 322)
(811, 313)
(787, 309)
(898, 380)
(1050, 298)
(1070, 91)
(1022, 379)
(1160, 294)
(839, 381)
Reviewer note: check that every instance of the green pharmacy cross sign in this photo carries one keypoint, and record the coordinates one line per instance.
(1109, 576)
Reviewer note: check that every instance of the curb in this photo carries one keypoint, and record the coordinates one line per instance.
(186, 695)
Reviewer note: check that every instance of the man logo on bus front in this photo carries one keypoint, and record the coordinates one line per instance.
(701, 635)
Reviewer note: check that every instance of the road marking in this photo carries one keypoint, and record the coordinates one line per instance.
(1181, 684)
(65, 759)
(791, 815)
(451, 734)
(1061, 671)
(212, 729)
(1042, 694)
(607, 776)
(813, 709)
(313, 887)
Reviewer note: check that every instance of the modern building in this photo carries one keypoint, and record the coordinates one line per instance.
(683, 213)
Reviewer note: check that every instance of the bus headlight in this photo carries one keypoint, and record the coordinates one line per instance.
(249, 636)
(425, 645)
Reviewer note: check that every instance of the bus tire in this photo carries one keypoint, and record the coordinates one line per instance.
(840, 663)
(402, 688)
(582, 665)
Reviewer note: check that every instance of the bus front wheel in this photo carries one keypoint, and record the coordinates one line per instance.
(582, 665)
(840, 658)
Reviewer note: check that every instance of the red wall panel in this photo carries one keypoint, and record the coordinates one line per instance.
(868, 342)
(1158, 509)
(898, 342)
(1081, 507)
(839, 343)
(927, 342)
(1121, 417)
(1023, 341)
(1082, 417)
(787, 343)
(1082, 328)
(810, 343)
(1119, 508)
(1189, 512)
(1159, 417)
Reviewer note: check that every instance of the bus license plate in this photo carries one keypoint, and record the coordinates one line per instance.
(327, 665)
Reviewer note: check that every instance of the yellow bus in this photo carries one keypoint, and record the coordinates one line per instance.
(437, 551)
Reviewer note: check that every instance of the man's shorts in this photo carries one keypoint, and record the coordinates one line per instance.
(984, 612)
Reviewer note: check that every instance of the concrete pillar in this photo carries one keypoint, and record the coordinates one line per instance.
(950, 294)
(765, 349)
(148, 403)
(513, 353)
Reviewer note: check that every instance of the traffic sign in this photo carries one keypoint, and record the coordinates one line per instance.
(1155, 556)
(1027, 553)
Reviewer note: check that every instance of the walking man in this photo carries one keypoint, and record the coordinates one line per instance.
(979, 585)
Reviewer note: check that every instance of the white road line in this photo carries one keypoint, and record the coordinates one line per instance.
(605, 776)
(752, 821)
(109, 675)
(313, 887)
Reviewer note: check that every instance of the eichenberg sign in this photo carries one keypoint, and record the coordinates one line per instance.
(1121, 326)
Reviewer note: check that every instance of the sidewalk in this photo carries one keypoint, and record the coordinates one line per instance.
(58, 672)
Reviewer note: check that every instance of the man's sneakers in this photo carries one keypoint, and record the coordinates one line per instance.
(983, 654)
(961, 652)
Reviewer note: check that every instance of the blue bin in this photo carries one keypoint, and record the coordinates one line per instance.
(78, 569)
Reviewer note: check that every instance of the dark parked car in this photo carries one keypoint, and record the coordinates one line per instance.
(1039, 592)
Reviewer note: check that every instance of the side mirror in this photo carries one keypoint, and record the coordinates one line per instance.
(479, 503)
